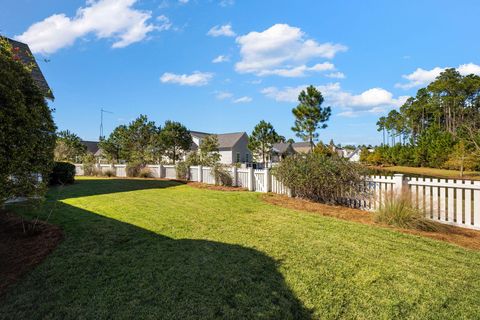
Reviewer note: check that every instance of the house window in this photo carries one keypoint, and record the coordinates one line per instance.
(238, 157)
(247, 160)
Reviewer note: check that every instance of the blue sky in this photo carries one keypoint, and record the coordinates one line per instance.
(224, 65)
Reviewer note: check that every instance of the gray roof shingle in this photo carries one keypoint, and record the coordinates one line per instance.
(25, 55)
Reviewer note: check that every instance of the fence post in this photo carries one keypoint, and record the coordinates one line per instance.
(160, 170)
(267, 180)
(234, 176)
(200, 173)
(251, 179)
(400, 183)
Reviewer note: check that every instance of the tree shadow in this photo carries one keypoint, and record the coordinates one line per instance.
(109, 269)
(91, 187)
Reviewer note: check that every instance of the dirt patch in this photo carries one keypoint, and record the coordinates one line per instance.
(213, 187)
(462, 237)
(22, 247)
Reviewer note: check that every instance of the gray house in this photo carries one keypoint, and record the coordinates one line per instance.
(233, 147)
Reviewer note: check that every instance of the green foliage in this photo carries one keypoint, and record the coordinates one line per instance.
(62, 173)
(134, 169)
(115, 147)
(261, 141)
(182, 170)
(222, 175)
(174, 140)
(402, 212)
(69, 147)
(432, 124)
(309, 114)
(27, 130)
(323, 149)
(209, 154)
(462, 159)
(89, 168)
(109, 173)
(321, 178)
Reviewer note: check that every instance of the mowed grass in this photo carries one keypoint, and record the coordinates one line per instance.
(163, 250)
(433, 172)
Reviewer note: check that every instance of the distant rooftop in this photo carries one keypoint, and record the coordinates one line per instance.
(225, 140)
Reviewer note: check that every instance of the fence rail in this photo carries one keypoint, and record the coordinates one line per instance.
(454, 202)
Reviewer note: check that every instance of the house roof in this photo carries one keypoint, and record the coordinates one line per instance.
(92, 146)
(25, 55)
(225, 140)
(301, 146)
(281, 147)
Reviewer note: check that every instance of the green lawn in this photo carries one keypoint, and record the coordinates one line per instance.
(157, 249)
(433, 172)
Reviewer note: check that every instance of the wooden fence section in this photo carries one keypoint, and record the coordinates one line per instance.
(455, 202)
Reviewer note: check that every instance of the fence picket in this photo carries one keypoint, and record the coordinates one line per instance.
(443, 199)
(451, 202)
(460, 203)
(476, 205)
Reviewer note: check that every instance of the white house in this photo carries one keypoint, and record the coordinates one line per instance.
(233, 147)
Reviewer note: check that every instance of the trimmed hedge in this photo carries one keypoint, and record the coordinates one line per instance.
(63, 173)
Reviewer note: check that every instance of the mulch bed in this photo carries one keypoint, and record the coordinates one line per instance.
(21, 251)
(213, 187)
(466, 238)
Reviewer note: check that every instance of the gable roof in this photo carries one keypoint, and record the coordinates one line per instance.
(301, 146)
(92, 146)
(225, 140)
(282, 147)
(25, 55)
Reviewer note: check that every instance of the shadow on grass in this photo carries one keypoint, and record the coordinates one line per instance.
(91, 187)
(109, 269)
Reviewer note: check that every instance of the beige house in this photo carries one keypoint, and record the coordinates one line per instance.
(233, 147)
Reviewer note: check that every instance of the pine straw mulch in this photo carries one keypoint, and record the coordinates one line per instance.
(200, 185)
(462, 237)
(21, 251)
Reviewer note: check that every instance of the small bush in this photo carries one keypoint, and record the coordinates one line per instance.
(62, 173)
(145, 173)
(109, 173)
(222, 175)
(134, 169)
(322, 178)
(182, 170)
(402, 212)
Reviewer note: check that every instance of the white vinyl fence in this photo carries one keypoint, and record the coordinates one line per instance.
(454, 202)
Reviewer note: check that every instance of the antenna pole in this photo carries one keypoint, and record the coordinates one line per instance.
(102, 111)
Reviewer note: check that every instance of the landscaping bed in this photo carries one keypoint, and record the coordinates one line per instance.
(23, 245)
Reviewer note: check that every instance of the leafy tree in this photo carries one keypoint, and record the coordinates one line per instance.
(27, 130)
(209, 154)
(309, 115)
(261, 141)
(174, 140)
(69, 147)
(323, 149)
(115, 146)
(461, 158)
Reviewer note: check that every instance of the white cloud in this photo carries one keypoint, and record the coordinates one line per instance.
(195, 79)
(183, 1)
(372, 100)
(298, 71)
(165, 23)
(225, 30)
(244, 99)
(106, 19)
(422, 77)
(222, 95)
(337, 75)
(226, 3)
(281, 47)
(220, 59)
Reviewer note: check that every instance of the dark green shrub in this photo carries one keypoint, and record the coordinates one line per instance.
(222, 175)
(62, 173)
(109, 173)
(182, 170)
(321, 178)
(27, 130)
(134, 169)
